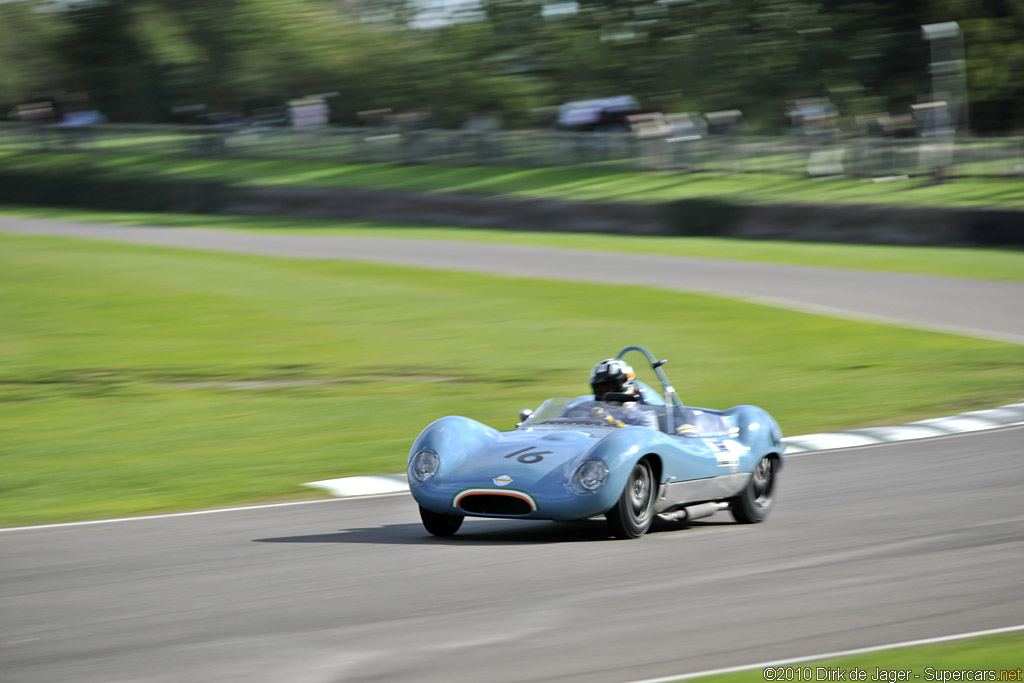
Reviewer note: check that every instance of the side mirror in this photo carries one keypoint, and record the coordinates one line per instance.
(524, 415)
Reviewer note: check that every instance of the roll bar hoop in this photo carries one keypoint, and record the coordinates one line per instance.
(671, 397)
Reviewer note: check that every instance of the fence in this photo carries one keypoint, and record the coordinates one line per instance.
(858, 157)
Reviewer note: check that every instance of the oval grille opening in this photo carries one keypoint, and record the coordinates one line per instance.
(491, 504)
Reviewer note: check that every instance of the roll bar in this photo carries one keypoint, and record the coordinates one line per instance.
(671, 397)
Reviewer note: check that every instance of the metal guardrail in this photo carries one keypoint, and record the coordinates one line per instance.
(859, 157)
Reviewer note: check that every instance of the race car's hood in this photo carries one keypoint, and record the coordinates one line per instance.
(524, 457)
(472, 454)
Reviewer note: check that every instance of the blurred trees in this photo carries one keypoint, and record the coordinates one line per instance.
(995, 61)
(29, 68)
(104, 54)
(138, 59)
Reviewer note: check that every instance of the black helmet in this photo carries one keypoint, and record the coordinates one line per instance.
(612, 375)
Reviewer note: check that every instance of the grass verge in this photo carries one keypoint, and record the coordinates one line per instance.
(990, 264)
(999, 654)
(579, 184)
(138, 380)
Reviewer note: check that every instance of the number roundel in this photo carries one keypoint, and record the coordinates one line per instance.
(526, 457)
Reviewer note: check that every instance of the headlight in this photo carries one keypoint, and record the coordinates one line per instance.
(591, 475)
(423, 465)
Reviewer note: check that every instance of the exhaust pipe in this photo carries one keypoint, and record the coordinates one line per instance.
(693, 512)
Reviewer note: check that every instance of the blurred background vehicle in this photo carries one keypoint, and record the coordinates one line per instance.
(602, 115)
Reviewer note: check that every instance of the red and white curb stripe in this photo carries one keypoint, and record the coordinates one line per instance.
(975, 421)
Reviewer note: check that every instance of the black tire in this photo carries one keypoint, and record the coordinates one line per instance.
(632, 515)
(440, 524)
(752, 506)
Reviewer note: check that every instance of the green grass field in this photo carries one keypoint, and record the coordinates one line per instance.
(138, 380)
(991, 264)
(580, 184)
(1000, 654)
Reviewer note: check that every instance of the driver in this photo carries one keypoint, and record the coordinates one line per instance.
(617, 377)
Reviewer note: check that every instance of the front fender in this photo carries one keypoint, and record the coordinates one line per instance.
(452, 438)
(620, 451)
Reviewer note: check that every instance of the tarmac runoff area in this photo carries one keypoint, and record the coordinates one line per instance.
(975, 421)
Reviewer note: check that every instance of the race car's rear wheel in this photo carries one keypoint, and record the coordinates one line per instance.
(440, 524)
(753, 504)
(632, 515)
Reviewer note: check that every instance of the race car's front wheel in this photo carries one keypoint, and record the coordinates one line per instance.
(440, 524)
(753, 504)
(632, 515)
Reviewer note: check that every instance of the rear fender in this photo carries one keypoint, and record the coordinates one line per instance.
(757, 430)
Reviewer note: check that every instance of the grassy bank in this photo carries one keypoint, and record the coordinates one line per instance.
(999, 654)
(579, 184)
(138, 380)
(991, 264)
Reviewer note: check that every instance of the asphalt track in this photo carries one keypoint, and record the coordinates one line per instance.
(866, 546)
(981, 308)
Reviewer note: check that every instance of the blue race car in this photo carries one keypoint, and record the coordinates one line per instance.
(625, 452)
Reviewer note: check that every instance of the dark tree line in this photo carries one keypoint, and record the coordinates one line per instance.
(139, 59)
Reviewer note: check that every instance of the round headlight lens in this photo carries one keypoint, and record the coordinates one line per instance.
(424, 465)
(592, 475)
